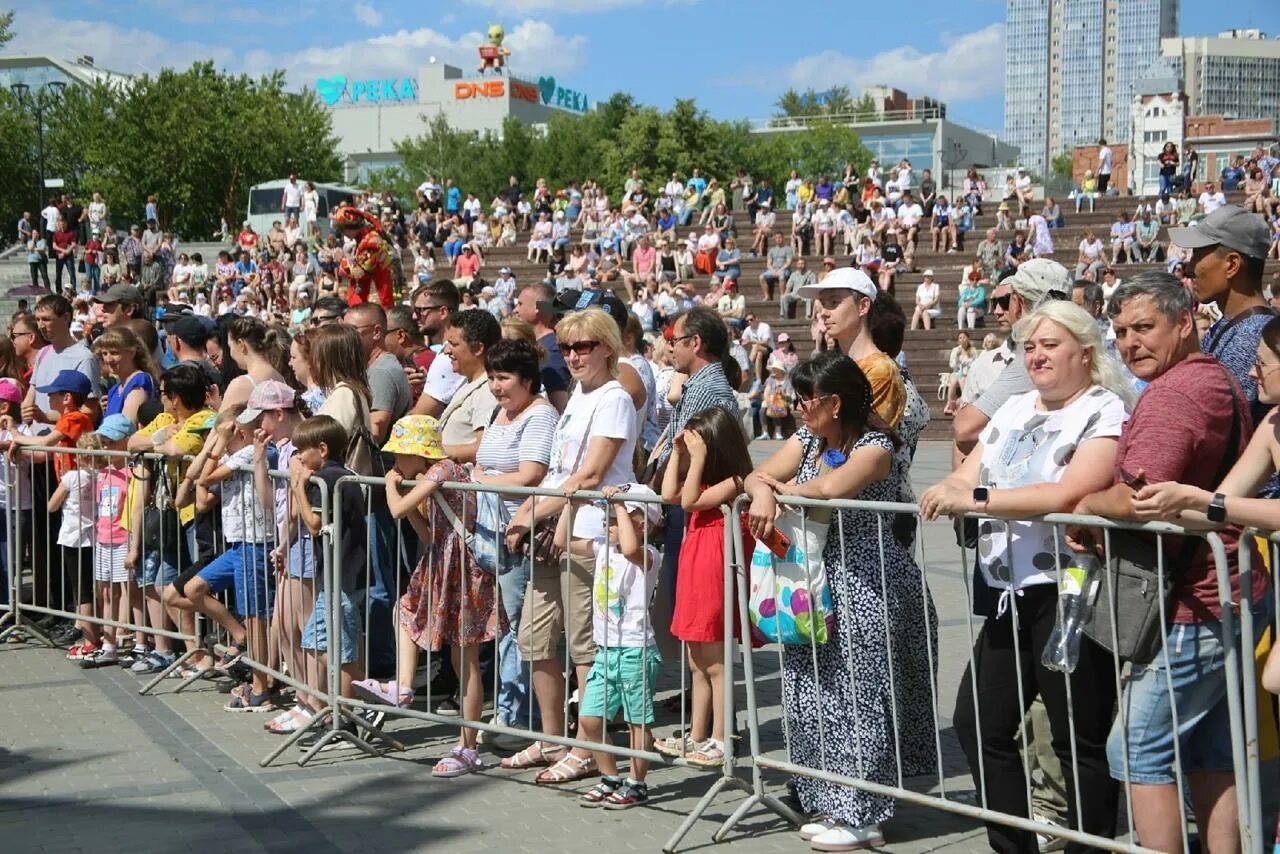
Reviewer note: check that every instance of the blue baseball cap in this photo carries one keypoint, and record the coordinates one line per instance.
(116, 427)
(68, 380)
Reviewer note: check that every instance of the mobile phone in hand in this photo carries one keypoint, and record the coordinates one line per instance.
(777, 542)
(1134, 482)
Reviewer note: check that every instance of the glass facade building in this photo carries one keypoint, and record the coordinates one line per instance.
(1070, 66)
(1231, 75)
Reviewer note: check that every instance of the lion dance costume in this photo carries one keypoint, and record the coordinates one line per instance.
(373, 258)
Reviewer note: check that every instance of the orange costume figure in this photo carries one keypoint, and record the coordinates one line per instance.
(372, 259)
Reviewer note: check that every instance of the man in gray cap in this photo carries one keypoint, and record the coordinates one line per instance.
(1228, 254)
(119, 304)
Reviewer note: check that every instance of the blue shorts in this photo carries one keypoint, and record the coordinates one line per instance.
(622, 678)
(301, 558)
(315, 635)
(156, 572)
(1198, 676)
(242, 566)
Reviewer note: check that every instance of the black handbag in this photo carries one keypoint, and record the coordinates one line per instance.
(1129, 583)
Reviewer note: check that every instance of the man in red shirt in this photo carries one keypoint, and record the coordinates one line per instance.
(1190, 424)
(64, 253)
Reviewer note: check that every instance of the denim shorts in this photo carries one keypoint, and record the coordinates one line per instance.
(243, 566)
(315, 635)
(622, 678)
(156, 572)
(1197, 674)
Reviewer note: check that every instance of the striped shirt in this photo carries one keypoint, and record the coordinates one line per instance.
(504, 446)
(705, 390)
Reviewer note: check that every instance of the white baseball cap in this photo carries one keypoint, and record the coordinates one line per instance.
(842, 279)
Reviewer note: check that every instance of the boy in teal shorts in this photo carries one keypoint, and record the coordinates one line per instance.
(627, 658)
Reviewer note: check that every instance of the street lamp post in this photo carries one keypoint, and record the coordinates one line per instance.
(45, 98)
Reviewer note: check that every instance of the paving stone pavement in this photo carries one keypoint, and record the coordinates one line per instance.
(88, 764)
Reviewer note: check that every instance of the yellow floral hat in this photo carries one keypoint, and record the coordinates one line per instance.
(417, 436)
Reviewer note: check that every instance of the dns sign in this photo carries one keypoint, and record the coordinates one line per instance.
(466, 89)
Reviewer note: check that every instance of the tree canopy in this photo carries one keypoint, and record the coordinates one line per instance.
(197, 139)
(836, 101)
(606, 144)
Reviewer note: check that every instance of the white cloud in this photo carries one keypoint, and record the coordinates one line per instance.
(117, 48)
(525, 7)
(967, 68)
(535, 45)
(536, 48)
(367, 15)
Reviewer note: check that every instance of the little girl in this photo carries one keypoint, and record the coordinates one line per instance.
(708, 465)
(111, 575)
(439, 608)
(778, 397)
(15, 486)
(74, 497)
(126, 359)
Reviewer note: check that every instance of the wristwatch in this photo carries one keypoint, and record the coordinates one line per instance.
(981, 495)
(1217, 509)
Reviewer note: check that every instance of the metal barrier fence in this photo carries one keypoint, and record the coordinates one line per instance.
(1241, 688)
(375, 589)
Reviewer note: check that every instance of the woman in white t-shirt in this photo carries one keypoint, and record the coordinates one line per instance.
(1041, 453)
(1090, 259)
(928, 299)
(593, 448)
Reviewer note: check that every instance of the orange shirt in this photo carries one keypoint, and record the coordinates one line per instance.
(71, 425)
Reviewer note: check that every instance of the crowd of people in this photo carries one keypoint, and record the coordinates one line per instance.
(609, 375)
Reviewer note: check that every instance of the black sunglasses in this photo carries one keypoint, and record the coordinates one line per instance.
(582, 348)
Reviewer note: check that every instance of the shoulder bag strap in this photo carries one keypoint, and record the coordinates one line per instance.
(458, 527)
(1249, 312)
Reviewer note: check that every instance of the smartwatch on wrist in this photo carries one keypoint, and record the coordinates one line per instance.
(1217, 509)
(981, 495)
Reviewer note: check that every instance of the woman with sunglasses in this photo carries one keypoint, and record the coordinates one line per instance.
(1042, 451)
(592, 448)
(845, 451)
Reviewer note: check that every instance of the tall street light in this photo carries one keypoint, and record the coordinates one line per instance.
(43, 99)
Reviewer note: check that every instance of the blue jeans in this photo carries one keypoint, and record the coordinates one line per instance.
(1168, 184)
(94, 273)
(513, 703)
(380, 628)
(1196, 675)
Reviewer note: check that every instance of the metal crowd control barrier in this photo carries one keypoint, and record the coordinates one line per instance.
(728, 777)
(1240, 689)
(35, 531)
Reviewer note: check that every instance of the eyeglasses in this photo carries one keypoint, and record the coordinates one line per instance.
(582, 348)
(14, 336)
(423, 309)
(1263, 370)
(806, 403)
(321, 319)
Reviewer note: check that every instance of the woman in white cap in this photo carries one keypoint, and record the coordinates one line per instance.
(843, 301)
(928, 299)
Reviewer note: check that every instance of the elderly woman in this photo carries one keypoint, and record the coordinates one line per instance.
(592, 448)
(1042, 452)
(845, 451)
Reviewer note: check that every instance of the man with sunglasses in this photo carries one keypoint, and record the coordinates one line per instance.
(997, 375)
(433, 305)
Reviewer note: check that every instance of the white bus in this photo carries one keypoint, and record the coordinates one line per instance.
(265, 207)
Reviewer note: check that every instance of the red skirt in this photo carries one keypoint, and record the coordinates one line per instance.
(699, 611)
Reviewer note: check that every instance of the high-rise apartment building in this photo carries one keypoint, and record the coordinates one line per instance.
(1236, 75)
(1069, 70)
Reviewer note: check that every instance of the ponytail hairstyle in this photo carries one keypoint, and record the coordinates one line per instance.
(833, 373)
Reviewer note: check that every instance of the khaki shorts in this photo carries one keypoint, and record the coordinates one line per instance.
(554, 592)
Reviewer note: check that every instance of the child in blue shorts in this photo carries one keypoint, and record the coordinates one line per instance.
(627, 659)
(247, 522)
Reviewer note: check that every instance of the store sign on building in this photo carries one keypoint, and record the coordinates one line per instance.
(387, 90)
(554, 95)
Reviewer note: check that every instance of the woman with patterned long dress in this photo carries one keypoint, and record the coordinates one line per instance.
(861, 705)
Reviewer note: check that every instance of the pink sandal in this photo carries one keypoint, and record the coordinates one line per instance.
(462, 760)
(373, 691)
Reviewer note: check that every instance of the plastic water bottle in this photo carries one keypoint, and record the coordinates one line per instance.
(1075, 602)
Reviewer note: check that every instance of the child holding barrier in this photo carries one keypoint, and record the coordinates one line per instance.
(450, 600)
(75, 497)
(626, 665)
(708, 466)
(320, 444)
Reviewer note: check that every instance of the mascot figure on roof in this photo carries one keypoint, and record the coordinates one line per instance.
(372, 260)
(494, 55)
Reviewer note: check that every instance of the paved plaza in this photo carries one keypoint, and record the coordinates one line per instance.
(88, 764)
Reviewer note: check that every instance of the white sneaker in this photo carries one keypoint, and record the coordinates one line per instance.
(844, 838)
(1049, 843)
(819, 825)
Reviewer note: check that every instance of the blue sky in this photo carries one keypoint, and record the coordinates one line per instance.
(657, 50)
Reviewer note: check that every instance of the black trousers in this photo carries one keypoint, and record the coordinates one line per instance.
(1002, 711)
(1103, 180)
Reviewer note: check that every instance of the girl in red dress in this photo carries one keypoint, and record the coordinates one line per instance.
(709, 462)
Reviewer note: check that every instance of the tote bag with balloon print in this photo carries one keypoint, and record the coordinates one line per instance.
(790, 599)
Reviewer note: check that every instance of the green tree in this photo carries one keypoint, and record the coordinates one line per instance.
(6, 27)
(822, 148)
(1061, 166)
(836, 101)
(197, 139)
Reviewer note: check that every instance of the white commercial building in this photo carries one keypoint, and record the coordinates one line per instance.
(371, 116)
(1236, 74)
